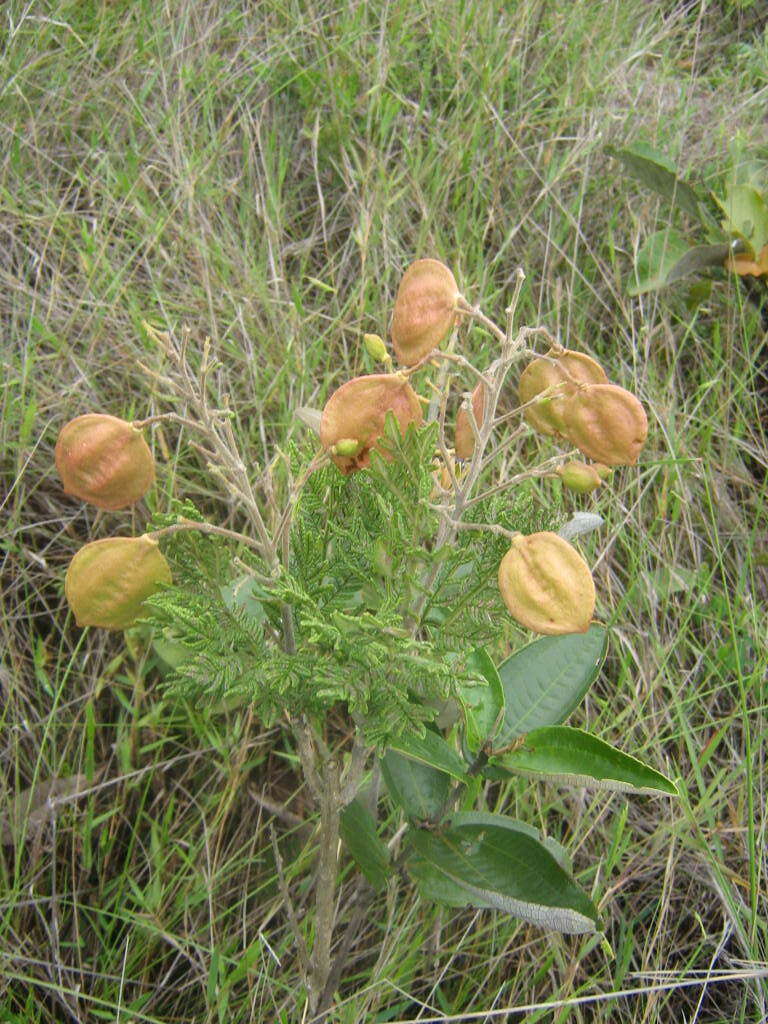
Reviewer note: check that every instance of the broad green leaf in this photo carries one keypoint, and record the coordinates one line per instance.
(655, 258)
(546, 680)
(487, 864)
(746, 214)
(575, 757)
(462, 818)
(420, 790)
(482, 701)
(358, 831)
(431, 749)
(656, 172)
(698, 259)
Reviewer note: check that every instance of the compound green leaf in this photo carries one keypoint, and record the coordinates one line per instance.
(546, 680)
(577, 758)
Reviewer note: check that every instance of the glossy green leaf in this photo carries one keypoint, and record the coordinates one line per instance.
(546, 680)
(488, 863)
(358, 832)
(419, 789)
(482, 701)
(577, 758)
(656, 172)
(431, 749)
(655, 259)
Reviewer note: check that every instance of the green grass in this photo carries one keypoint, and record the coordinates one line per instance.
(263, 173)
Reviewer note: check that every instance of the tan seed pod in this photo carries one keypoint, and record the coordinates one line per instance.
(579, 477)
(607, 424)
(547, 585)
(357, 411)
(561, 370)
(465, 436)
(425, 310)
(108, 580)
(104, 460)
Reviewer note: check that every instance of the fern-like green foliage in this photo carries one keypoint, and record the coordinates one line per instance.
(383, 622)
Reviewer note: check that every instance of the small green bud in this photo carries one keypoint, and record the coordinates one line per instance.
(376, 349)
(347, 446)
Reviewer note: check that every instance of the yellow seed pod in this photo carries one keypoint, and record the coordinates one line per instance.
(376, 349)
(108, 580)
(547, 585)
(425, 310)
(465, 437)
(607, 424)
(579, 477)
(104, 460)
(560, 370)
(355, 413)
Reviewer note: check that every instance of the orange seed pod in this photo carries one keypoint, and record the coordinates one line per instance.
(108, 580)
(607, 424)
(356, 411)
(104, 460)
(425, 310)
(562, 370)
(546, 585)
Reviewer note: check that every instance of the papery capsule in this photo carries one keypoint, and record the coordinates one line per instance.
(579, 477)
(356, 413)
(465, 435)
(559, 373)
(104, 460)
(546, 585)
(606, 423)
(425, 310)
(108, 580)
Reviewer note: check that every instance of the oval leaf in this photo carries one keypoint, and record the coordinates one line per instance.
(358, 831)
(431, 749)
(655, 258)
(500, 866)
(482, 701)
(546, 680)
(655, 171)
(698, 259)
(580, 759)
(420, 790)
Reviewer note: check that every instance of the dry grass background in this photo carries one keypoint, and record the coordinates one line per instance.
(262, 172)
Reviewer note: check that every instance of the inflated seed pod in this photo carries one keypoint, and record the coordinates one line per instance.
(562, 370)
(465, 437)
(546, 585)
(425, 310)
(108, 580)
(607, 424)
(579, 477)
(353, 418)
(104, 460)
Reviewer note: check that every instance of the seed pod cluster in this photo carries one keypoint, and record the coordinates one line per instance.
(546, 585)
(353, 418)
(109, 580)
(604, 421)
(104, 460)
(425, 310)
